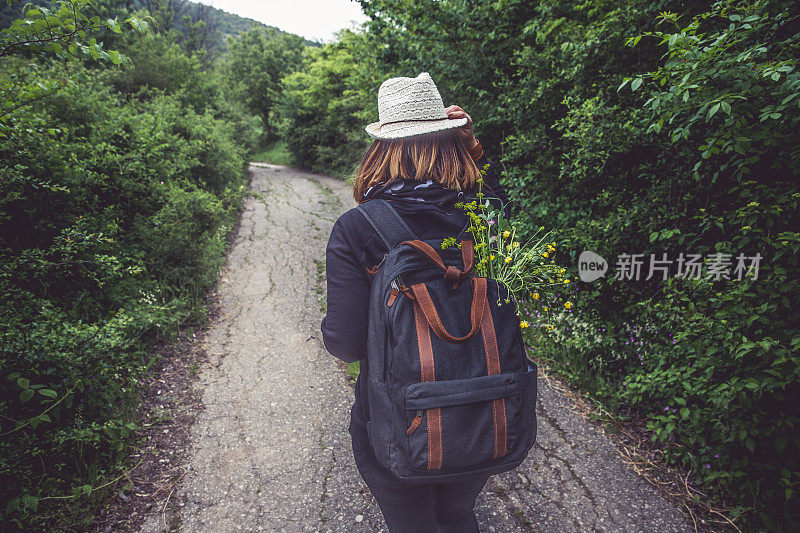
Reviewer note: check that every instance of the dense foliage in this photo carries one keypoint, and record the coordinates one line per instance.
(322, 108)
(123, 171)
(627, 129)
(258, 61)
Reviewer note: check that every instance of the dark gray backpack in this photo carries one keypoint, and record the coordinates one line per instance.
(457, 403)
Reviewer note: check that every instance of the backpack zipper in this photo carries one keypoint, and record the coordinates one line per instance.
(392, 297)
(394, 292)
(415, 423)
(382, 260)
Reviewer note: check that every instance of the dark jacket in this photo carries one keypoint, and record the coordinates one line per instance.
(354, 246)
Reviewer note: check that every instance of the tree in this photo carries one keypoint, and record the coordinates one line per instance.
(259, 60)
(201, 33)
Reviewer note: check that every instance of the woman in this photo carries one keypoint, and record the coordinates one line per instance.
(424, 159)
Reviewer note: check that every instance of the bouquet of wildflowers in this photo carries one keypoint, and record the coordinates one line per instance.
(526, 269)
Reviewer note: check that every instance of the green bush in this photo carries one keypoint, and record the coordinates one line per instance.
(115, 214)
(705, 165)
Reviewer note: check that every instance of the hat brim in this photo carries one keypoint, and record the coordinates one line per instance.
(397, 130)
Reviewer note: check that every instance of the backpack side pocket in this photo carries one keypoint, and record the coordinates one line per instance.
(379, 427)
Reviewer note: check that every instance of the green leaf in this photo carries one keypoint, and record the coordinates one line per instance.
(26, 395)
(30, 502)
(712, 111)
(635, 84)
(48, 392)
(23, 382)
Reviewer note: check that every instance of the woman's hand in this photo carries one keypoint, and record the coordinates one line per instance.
(465, 133)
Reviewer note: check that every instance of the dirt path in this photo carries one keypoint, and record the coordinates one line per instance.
(271, 451)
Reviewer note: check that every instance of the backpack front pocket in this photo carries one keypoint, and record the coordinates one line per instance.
(460, 423)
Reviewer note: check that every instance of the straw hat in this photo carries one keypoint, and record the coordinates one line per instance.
(410, 106)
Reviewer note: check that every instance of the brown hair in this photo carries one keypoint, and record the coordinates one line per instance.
(439, 156)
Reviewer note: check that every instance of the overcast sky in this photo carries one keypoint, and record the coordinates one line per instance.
(312, 19)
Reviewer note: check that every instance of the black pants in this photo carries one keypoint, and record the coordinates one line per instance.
(433, 508)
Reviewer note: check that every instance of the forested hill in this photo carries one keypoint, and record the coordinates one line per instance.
(218, 23)
(231, 24)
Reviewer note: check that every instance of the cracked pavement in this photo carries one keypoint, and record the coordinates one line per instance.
(271, 450)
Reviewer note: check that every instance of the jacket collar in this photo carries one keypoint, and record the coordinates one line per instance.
(428, 191)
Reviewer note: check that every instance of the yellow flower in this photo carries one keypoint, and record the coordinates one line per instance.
(567, 280)
(545, 309)
(516, 245)
(568, 305)
(549, 326)
(535, 295)
(506, 234)
(508, 259)
(491, 256)
(544, 254)
(524, 324)
(551, 247)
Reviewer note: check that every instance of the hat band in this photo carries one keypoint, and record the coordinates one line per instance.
(412, 120)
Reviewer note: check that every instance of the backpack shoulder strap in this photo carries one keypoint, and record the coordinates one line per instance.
(387, 222)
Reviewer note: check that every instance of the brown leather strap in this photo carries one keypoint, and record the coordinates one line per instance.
(451, 273)
(479, 304)
(493, 367)
(435, 445)
(428, 250)
(428, 373)
(426, 364)
(467, 254)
